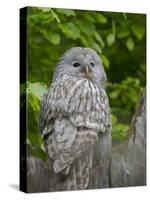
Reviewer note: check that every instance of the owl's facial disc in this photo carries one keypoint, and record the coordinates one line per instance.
(83, 63)
(84, 68)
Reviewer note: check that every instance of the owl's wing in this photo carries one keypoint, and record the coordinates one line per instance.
(59, 131)
(44, 126)
(55, 103)
(53, 118)
(49, 109)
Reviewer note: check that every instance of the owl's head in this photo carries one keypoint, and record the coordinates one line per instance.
(82, 63)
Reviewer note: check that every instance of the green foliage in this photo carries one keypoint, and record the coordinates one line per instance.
(118, 38)
(110, 39)
(70, 30)
(138, 31)
(119, 130)
(35, 92)
(130, 44)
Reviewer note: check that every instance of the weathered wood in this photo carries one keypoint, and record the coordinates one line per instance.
(123, 165)
(128, 162)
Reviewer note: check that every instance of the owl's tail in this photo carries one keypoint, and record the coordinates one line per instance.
(78, 177)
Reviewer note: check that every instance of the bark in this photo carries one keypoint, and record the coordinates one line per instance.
(120, 166)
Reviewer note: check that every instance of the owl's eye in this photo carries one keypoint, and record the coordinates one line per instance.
(92, 64)
(76, 64)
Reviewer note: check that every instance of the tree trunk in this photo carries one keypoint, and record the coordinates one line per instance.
(120, 166)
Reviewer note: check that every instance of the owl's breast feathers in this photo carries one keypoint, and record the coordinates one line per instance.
(73, 112)
(81, 100)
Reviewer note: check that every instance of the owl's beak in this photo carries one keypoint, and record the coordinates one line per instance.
(86, 69)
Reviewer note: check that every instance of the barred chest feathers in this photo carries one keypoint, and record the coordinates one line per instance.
(81, 99)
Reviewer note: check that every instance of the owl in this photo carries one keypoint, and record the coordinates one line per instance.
(74, 113)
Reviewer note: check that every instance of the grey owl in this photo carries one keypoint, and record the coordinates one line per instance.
(74, 112)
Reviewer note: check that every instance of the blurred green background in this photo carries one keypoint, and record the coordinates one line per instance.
(118, 38)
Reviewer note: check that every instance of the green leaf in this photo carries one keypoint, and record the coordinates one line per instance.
(105, 60)
(130, 44)
(35, 92)
(54, 38)
(96, 47)
(123, 34)
(66, 12)
(99, 39)
(100, 18)
(85, 27)
(55, 16)
(89, 17)
(34, 102)
(86, 41)
(138, 31)
(36, 151)
(45, 9)
(37, 89)
(70, 30)
(110, 39)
